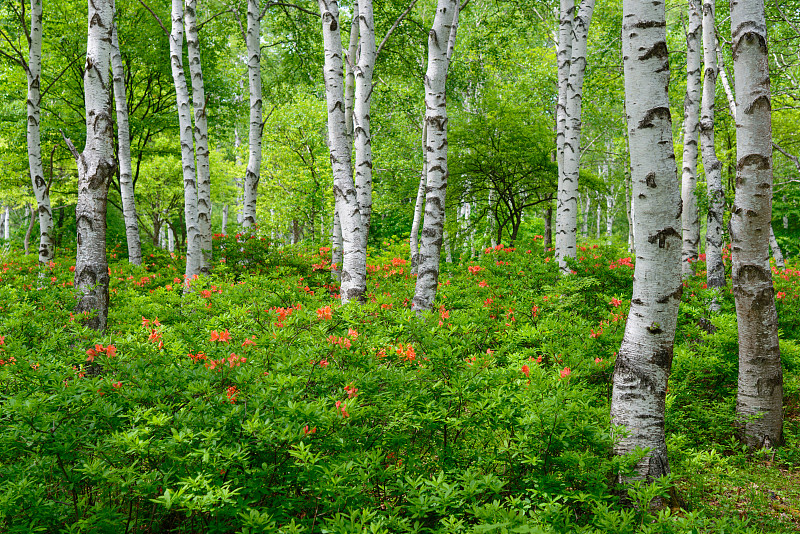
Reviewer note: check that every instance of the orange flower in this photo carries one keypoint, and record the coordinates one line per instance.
(526, 371)
(325, 313)
(565, 372)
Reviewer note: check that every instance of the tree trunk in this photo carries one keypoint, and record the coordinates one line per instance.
(760, 397)
(691, 131)
(610, 204)
(40, 187)
(564, 57)
(253, 173)
(336, 247)
(170, 238)
(225, 219)
(715, 269)
(200, 137)
(194, 242)
(585, 216)
(96, 165)
(725, 83)
(444, 23)
(32, 218)
(361, 111)
(629, 213)
(5, 222)
(776, 250)
(645, 356)
(548, 228)
(125, 167)
(354, 241)
(419, 205)
(567, 211)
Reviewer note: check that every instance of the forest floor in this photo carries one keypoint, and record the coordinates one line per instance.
(256, 403)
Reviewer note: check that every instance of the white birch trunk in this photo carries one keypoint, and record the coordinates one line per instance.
(598, 217)
(691, 131)
(776, 249)
(237, 142)
(336, 247)
(350, 66)
(200, 136)
(40, 186)
(564, 57)
(610, 204)
(361, 112)
(194, 243)
(629, 213)
(645, 356)
(715, 269)
(567, 210)
(7, 225)
(723, 75)
(354, 241)
(170, 238)
(124, 152)
(253, 173)
(444, 22)
(759, 403)
(225, 219)
(96, 165)
(419, 204)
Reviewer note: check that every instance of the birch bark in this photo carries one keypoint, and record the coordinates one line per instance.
(564, 56)
(200, 136)
(361, 111)
(419, 204)
(124, 152)
(194, 243)
(40, 186)
(645, 356)
(354, 241)
(567, 210)
(96, 165)
(760, 397)
(436, 154)
(691, 131)
(776, 249)
(253, 173)
(715, 269)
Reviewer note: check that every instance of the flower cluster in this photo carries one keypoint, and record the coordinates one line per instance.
(406, 352)
(231, 392)
(98, 349)
(325, 313)
(283, 313)
(232, 361)
(222, 337)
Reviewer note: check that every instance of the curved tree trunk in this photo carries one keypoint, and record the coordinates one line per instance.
(253, 173)
(436, 154)
(645, 357)
(200, 136)
(354, 241)
(361, 111)
(194, 243)
(125, 167)
(419, 204)
(40, 186)
(691, 131)
(567, 211)
(760, 398)
(715, 269)
(96, 165)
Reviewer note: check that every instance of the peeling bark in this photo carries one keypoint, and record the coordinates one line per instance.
(691, 132)
(645, 356)
(759, 403)
(96, 165)
(430, 251)
(124, 152)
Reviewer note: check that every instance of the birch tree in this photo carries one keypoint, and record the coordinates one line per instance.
(361, 109)
(200, 136)
(691, 131)
(354, 241)
(124, 154)
(439, 38)
(96, 165)
(759, 403)
(645, 356)
(715, 269)
(253, 173)
(194, 242)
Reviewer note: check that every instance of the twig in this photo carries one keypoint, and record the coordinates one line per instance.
(394, 26)
(155, 17)
(70, 146)
(285, 4)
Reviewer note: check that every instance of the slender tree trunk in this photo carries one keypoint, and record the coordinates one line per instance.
(419, 205)
(760, 397)
(170, 238)
(564, 57)
(96, 165)
(40, 187)
(253, 174)
(200, 136)
(567, 211)
(598, 217)
(354, 240)
(645, 357)
(610, 204)
(548, 227)
(629, 213)
(691, 131)
(444, 23)
(715, 269)
(585, 216)
(776, 250)
(723, 75)
(32, 218)
(194, 240)
(125, 167)
(4, 222)
(237, 142)
(361, 111)
(225, 219)
(336, 247)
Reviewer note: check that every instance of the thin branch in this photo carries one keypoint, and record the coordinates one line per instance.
(394, 26)
(155, 17)
(239, 21)
(70, 146)
(21, 59)
(285, 4)
(785, 18)
(200, 26)
(793, 159)
(41, 95)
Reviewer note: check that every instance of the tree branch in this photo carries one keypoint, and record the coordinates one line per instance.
(394, 26)
(44, 92)
(155, 17)
(285, 4)
(200, 26)
(70, 146)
